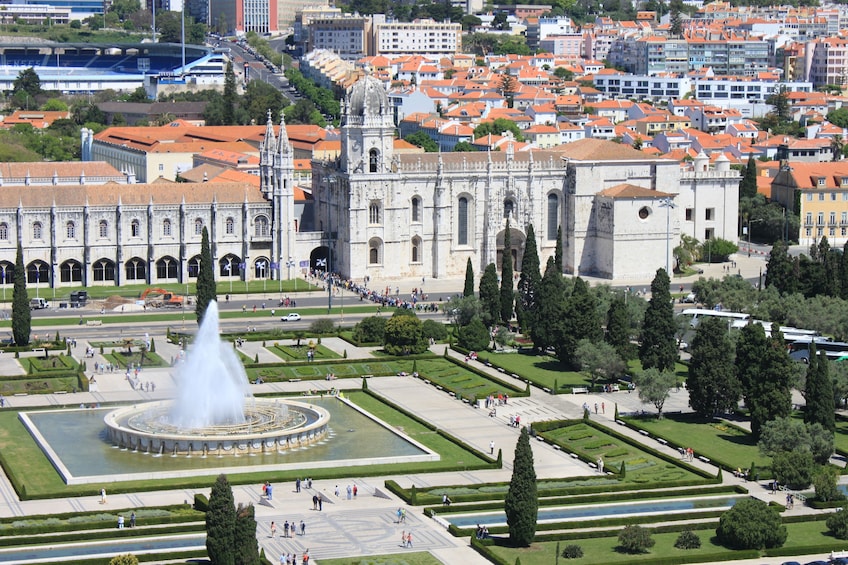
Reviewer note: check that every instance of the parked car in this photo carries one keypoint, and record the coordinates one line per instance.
(688, 299)
(291, 317)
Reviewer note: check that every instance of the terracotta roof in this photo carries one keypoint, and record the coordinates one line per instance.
(593, 149)
(627, 190)
(39, 169)
(160, 192)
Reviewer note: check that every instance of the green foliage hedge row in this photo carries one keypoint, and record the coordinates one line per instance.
(107, 531)
(515, 391)
(176, 556)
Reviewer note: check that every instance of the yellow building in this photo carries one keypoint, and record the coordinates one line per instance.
(822, 202)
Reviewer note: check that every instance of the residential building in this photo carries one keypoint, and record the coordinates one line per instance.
(820, 192)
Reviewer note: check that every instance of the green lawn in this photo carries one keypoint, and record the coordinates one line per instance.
(598, 551)
(542, 370)
(680, 369)
(342, 369)
(413, 558)
(462, 382)
(840, 438)
(295, 353)
(641, 466)
(713, 439)
(124, 359)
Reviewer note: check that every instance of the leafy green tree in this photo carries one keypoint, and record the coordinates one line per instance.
(825, 483)
(751, 524)
(837, 523)
(819, 392)
(245, 548)
(259, 97)
(794, 469)
(490, 297)
(781, 269)
(404, 336)
(635, 539)
(687, 540)
(170, 28)
(765, 373)
(558, 251)
(468, 290)
(463, 147)
(551, 309)
(462, 309)
(421, 139)
(206, 292)
(21, 314)
(659, 342)
(221, 523)
(748, 184)
(521, 504)
(370, 330)
(787, 434)
(717, 250)
(713, 386)
(474, 336)
(581, 322)
(27, 82)
(435, 330)
(563, 73)
(838, 117)
(498, 127)
(654, 386)
(598, 360)
(507, 300)
(224, 112)
(508, 88)
(676, 28)
(618, 328)
(528, 283)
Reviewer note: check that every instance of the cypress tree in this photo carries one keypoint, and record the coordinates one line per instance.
(659, 344)
(580, 321)
(558, 251)
(229, 97)
(618, 328)
(490, 298)
(221, 523)
(781, 269)
(507, 293)
(819, 392)
(521, 504)
(205, 277)
(469, 279)
(528, 282)
(551, 309)
(712, 383)
(843, 272)
(764, 370)
(245, 548)
(21, 314)
(748, 184)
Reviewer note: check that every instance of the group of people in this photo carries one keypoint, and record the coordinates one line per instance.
(268, 491)
(515, 421)
(687, 453)
(482, 532)
(121, 521)
(405, 539)
(351, 492)
(291, 558)
(289, 528)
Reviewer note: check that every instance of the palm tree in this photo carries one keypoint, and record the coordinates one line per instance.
(687, 252)
(837, 146)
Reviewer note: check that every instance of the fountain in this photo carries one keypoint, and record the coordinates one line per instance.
(214, 410)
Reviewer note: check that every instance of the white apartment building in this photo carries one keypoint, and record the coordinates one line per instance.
(643, 87)
(826, 61)
(421, 37)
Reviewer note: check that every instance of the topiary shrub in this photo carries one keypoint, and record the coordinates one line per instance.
(687, 540)
(434, 330)
(837, 523)
(751, 524)
(572, 551)
(635, 539)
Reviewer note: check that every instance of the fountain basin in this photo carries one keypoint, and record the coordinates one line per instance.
(269, 426)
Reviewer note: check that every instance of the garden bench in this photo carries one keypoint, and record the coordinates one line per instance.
(662, 441)
(580, 390)
(294, 380)
(644, 433)
(704, 459)
(94, 323)
(621, 422)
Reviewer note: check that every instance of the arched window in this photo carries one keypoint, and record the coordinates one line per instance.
(4, 231)
(198, 226)
(462, 221)
(375, 252)
(416, 250)
(37, 230)
(103, 229)
(373, 159)
(374, 213)
(553, 216)
(166, 228)
(261, 226)
(229, 266)
(416, 209)
(135, 229)
(166, 268)
(7, 272)
(193, 267)
(71, 230)
(262, 268)
(104, 270)
(70, 271)
(230, 226)
(38, 272)
(509, 208)
(136, 269)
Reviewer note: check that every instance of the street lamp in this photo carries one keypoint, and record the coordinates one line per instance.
(749, 232)
(668, 204)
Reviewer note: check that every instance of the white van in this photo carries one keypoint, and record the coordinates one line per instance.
(38, 304)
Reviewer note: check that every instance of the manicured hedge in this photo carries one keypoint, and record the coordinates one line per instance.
(516, 390)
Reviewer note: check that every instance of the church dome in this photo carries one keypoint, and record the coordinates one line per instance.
(367, 97)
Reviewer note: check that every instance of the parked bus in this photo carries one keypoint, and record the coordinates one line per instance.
(835, 350)
(697, 313)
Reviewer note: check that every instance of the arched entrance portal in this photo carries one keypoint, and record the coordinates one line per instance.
(319, 259)
(516, 242)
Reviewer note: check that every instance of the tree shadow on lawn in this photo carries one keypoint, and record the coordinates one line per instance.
(747, 440)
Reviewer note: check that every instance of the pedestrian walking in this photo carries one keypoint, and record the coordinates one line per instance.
(315, 502)
(349, 492)
(320, 502)
(492, 447)
(302, 528)
(286, 529)
(132, 520)
(354, 491)
(409, 540)
(103, 496)
(274, 529)
(402, 537)
(297, 485)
